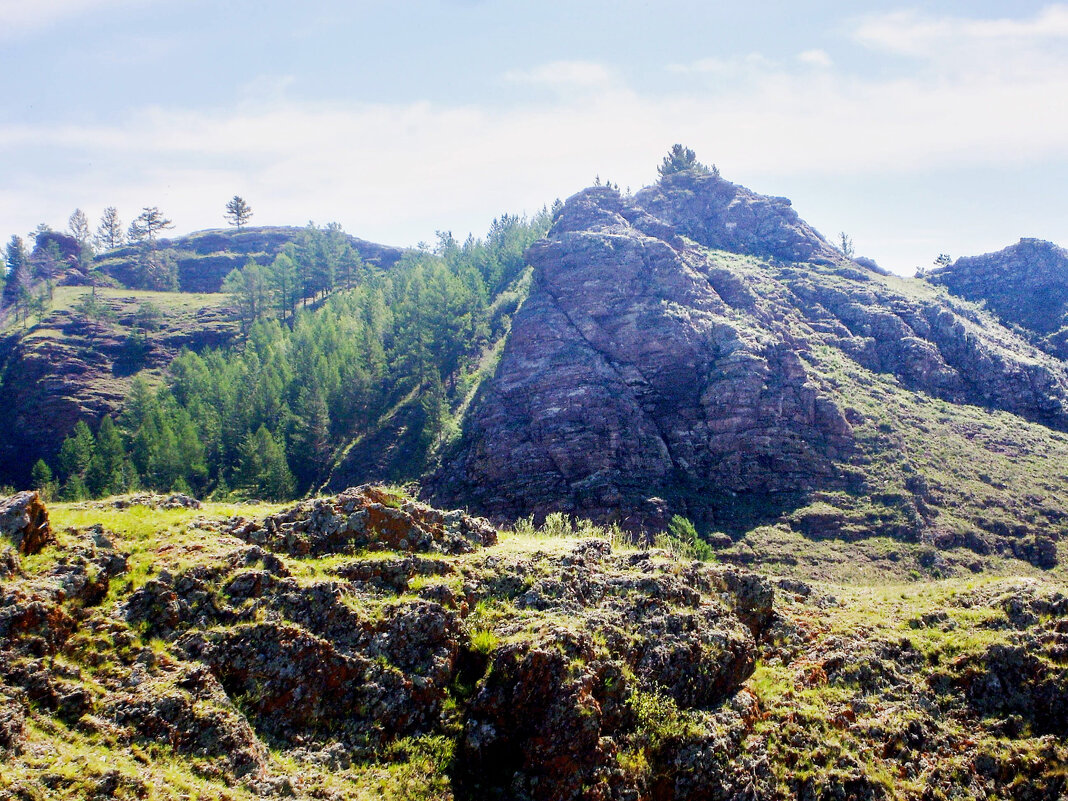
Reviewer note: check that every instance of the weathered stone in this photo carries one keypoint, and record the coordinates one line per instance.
(12, 720)
(186, 708)
(176, 500)
(650, 372)
(1025, 284)
(367, 517)
(24, 521)
(627, 376)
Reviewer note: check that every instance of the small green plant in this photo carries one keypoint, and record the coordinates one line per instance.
(682, 540)
(557, 524)
(484, 641)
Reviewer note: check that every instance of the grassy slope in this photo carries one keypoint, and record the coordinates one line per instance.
(818, 732)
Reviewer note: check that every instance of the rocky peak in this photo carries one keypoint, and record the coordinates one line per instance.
(1025, 284)
(638, 372)
(682, 351)
(725, 216)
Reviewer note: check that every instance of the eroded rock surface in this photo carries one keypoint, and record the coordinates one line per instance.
(1025, 284)
(367, 517)
(653, 371)
(24, 522)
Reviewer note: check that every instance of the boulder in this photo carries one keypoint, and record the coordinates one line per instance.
(24, 521)
(365, 518)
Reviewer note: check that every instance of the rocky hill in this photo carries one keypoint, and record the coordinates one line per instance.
(78, 365)
(697, 349)
(71, 368)
(1025, 285)
(367, 646)
(205, 258)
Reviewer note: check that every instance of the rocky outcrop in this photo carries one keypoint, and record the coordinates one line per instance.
(546, 667)
(723, 216)
(652, 372)
(176, 500)
(627, 376)
(1025, 285)
(24, 522)
(368, 517)
(1024, 680)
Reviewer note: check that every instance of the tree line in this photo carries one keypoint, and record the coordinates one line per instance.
(330, 345)
(27, 277)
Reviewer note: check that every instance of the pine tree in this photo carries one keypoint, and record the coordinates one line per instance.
(264, 471)
(312, 436)
(109, 233)
(148, 224)
(282, 276)
(238, 211)
(250, 287)
(681, 159)
(76, 453)
(107, 474)
(78, 225)
(17, 288)
(42, 479)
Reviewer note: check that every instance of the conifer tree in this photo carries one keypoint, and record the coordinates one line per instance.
(42, 479)
(78, 225)
(147, 226)
(282, 277)
(238, 212)
(109, 233)
(680, 159)
(264, 470)
(108, 472)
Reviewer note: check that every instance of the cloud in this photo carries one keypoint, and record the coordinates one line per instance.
(725, 67)
(563, 74)
(911, 33)
(815, 58)
(18, 17)
(396, 172)
(389, 169)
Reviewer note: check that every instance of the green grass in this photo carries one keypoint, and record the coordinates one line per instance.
(820, 732)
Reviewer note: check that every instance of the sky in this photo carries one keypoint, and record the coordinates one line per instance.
(916, 129)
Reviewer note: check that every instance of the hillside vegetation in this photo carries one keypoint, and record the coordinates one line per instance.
(158, 650)
(311, 360)
(695, 350)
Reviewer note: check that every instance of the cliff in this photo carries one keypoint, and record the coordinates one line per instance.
(697, 349)
(1025, 285)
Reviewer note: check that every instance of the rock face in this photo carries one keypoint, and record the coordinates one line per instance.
(549, 666)
(627, 376)
(1025, 284)
(647, 374)
(724, 216)
(584, 649)
(24, 521)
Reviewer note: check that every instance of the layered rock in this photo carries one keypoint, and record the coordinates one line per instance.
(652, 372)
(1025, 284)
(627, 377)
(724, 216)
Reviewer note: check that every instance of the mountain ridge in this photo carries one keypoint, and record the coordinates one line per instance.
(726, 409)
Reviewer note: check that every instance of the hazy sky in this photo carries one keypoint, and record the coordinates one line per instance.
(916, 131)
